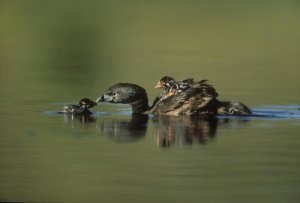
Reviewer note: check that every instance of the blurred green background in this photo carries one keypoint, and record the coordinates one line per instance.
(56, 52)
(249, 50)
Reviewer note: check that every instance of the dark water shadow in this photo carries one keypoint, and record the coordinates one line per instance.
(124, 129)
(82, 118)
(184, 130)
(169, 130)
(122, 126)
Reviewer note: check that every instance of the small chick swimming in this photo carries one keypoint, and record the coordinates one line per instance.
(81, 108)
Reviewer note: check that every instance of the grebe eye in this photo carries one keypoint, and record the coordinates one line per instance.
(112, 93)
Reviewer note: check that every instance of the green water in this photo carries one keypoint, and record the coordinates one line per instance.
(52, 53)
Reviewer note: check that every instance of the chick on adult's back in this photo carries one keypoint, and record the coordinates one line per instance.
(193, 101)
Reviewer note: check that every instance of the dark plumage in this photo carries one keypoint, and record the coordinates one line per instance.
(232, 108)
(165, 83)
(193, 100)
(127, 93)
(185, 84)
(82, 107)
(200, 99)
(207, 100)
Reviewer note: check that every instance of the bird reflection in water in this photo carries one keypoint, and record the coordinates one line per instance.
(169, 130)
(124, 130)
(82, 118)
(184, 130)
